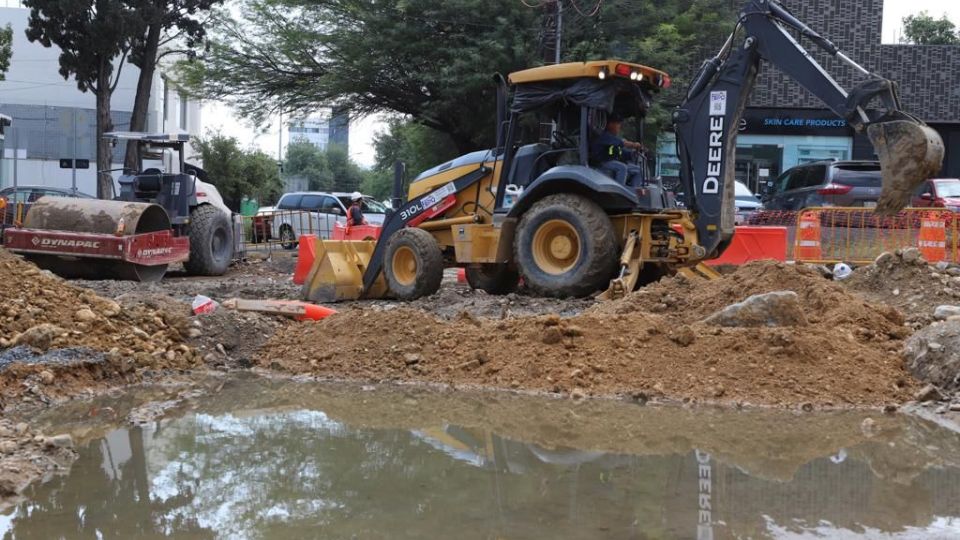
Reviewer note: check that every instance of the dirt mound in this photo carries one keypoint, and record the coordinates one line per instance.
(42, 312)
(650, 343)
(909, 284)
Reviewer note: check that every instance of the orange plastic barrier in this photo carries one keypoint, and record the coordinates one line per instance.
(808, 238)
(461, 275)
(933, 237)
(356, 232)
(754, 243)
(305, 256)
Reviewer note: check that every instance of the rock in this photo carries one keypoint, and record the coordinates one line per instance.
(929, 393)
(944, 312)
(806, 407)
(551, 336)
(684, 336)
(194, 333)
(932, 354)
(8, 447)
(779, 308)
(869, 427)
(889, 408)
(84, 315)
(910, 255)
(64, 440)
(578, 394)
(140, 333)
(411, 358)
(21, 428)
(942, 266)
(46, 377)
(954, 270)
(111, 308)
(896, 292)
(955, 407)
(40, 336)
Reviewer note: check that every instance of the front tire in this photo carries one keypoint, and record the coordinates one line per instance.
(566, 246)
(288, 240)
(493, 278)
(211, 242)
(413, 264)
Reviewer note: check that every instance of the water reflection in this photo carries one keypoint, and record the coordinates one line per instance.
(307, 472)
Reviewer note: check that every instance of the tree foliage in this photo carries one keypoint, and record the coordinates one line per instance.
(418, 146)
(6, 49)
(324, 170)
(432, 60)
(237, 172)
(922, 29)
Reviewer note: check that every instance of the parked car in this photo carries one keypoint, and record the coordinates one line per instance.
(313, 212)
(938, 193)
(747, 203)
(826, 183)
(27, 195)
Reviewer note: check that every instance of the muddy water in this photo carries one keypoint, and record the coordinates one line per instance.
(281, 459)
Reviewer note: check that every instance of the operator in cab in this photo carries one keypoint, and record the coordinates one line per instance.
(612, 153)
(355, 212)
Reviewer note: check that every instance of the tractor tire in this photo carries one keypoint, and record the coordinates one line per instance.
(566, 246)
(211, 242)
(493, 278)
(413, 264)
(288, 240)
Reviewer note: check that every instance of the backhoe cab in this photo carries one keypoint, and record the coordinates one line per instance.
(539, 209)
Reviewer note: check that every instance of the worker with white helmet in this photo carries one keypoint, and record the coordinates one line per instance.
(355, 212)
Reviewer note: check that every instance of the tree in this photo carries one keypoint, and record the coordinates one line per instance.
(324, 170)
(158, 18)
(237, 172)
(6, 49)
(431, 60)
(92, 35)
(922, 29)
(418, 146)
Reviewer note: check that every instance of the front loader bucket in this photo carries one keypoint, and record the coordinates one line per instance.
(910, 153)
(337, 272)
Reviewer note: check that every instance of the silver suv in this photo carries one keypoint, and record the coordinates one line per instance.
(825, 183)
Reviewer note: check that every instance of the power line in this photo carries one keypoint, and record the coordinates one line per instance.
(594, 11)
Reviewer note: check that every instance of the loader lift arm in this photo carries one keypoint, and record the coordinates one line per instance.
(707, 122)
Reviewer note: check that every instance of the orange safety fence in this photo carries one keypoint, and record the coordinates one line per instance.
(858, 235)
(282, 229)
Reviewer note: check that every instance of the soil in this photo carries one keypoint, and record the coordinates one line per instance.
(914, 287)
(649, 344)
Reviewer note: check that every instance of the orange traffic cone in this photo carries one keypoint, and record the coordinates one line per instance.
(808, 246)
(933, 237)
(305, 256)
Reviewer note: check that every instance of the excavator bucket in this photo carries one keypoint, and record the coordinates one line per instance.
(910, 153)
(337, 272)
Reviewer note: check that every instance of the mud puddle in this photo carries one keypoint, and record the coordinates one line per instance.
(265, 458)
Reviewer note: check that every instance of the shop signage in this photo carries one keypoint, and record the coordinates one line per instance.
(793, 122)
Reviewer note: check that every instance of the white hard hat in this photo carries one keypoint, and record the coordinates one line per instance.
(841, 271)
(356, 196)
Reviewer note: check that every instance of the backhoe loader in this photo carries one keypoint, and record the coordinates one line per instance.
(569, 229)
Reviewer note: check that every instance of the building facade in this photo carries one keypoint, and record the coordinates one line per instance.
(52, 120)
(785, 125)
(321, 130)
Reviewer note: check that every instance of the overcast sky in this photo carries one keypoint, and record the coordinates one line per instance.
(217, 116)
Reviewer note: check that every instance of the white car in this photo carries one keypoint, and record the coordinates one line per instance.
(315, 212)
(746, 202)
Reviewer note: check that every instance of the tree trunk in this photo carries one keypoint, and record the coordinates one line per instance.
(141, 102)
(104, 148)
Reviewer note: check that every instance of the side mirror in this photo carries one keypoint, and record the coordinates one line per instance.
(336, 211)
(927, 196)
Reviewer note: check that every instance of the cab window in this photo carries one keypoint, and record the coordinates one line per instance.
(290, 202)
(311, 203)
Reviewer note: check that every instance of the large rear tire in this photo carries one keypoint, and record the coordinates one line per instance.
(413, 264)
(493, 278)
(211, 242)
(566, 246)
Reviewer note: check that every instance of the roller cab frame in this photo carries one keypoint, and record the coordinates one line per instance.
(535, 207)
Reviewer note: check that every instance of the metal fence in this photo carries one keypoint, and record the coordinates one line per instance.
(280, 229)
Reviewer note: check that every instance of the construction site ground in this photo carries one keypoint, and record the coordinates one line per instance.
(65, 342)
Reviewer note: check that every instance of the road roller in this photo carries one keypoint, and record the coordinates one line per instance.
(165, 214)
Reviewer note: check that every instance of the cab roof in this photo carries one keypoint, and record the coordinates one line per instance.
(592, 69)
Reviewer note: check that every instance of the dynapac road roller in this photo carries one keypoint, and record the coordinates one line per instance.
(570, 229)
(164, 214)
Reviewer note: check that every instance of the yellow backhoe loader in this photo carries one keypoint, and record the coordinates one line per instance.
(541, 210)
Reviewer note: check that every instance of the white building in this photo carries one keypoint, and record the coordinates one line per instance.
(53, 120)
(321, 129)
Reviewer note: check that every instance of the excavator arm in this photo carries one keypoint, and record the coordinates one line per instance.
(708, 120)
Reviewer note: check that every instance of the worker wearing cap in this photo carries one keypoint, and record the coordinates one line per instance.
(355, 212)
(610, 152)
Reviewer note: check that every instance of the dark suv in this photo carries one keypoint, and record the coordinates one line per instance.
(826, 183)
